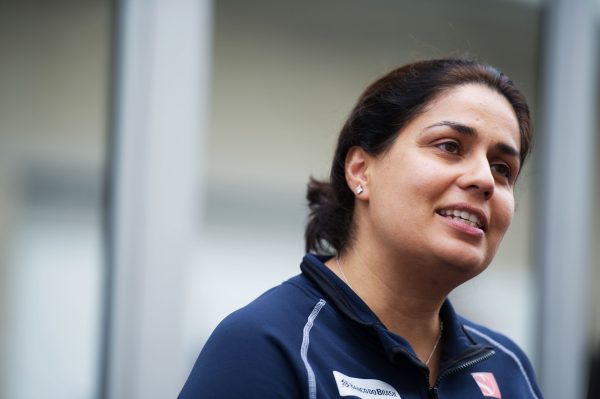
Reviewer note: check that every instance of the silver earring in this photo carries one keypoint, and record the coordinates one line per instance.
(358, 190)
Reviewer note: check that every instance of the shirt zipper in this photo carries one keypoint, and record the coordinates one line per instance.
(433, 391)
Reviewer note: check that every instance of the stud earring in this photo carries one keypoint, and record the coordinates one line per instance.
(358, 190)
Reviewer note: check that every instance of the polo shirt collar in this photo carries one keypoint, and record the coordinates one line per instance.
(458, 343)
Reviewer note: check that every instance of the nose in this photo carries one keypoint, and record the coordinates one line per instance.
(477, 177)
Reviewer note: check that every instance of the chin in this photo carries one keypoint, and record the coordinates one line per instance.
(465, 266)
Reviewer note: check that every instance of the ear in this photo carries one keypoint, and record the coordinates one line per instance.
(356, 167)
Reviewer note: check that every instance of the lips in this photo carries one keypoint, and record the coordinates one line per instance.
(465, 214)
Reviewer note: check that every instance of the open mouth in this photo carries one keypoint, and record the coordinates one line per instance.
(463, 216)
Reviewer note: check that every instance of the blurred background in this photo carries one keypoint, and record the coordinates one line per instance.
(154, 157)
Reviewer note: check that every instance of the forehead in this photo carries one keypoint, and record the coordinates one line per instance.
(476, 106)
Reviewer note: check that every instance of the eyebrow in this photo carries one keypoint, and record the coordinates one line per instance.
(459, 127)
(470, 131)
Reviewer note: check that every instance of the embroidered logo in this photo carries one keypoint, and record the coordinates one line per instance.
(488, 385)
(364, 388)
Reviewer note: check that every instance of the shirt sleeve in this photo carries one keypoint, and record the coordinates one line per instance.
(243, 359)
(525, 363)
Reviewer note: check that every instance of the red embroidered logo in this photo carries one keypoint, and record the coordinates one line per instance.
(487, 384)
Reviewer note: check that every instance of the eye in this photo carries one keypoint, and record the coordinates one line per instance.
(502, 169)
(450, 147)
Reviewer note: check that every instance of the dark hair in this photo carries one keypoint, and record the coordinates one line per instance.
(381, 112)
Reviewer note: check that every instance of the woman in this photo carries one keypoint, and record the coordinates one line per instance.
(420, 196)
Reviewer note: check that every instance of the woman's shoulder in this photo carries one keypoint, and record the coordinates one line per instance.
(290, 300)
(504, 347)
(491, 337)
(276, 316)
(254, 346)
(509, 361)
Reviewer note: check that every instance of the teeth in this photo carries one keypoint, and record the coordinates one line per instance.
(462, 216)
(459, 219)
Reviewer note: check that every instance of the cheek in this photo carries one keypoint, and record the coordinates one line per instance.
(418, 176)
(405, 183)
(396, 197)
(413, 188)
(504, 212)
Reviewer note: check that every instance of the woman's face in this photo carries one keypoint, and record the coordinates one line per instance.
(443, 192)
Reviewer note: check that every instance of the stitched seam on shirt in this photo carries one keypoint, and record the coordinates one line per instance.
(509, 353)
(312, 385)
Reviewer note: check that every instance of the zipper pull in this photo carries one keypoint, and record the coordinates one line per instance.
(433, 392)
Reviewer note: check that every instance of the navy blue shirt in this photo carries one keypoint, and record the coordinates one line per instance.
(313, 337)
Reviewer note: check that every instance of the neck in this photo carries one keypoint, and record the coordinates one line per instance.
(406, 302)
(391, 288)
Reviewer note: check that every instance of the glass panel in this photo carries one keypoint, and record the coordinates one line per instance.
(53, 82)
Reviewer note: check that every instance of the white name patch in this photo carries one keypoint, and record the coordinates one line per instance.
(364, 388)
